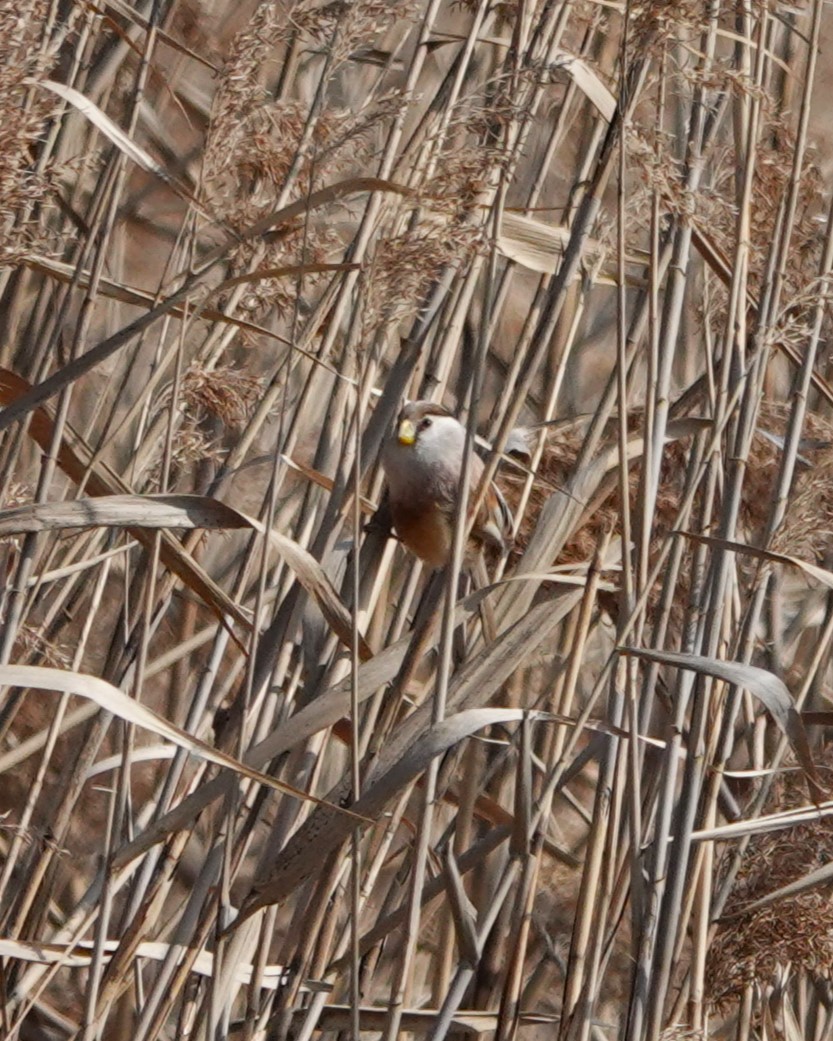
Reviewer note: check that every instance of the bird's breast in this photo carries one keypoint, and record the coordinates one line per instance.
(425, 529)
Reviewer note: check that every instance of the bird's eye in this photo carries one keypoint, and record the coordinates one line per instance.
(425, 423)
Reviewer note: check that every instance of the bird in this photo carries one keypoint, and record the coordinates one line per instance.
(422, 461)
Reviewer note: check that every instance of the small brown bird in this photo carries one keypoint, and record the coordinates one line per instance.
(422, 462)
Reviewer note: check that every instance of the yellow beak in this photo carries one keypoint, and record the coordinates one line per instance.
(407, 432)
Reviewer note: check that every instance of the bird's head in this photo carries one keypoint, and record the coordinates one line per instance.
(429, 425)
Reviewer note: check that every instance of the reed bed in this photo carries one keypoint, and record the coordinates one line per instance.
(265, 776)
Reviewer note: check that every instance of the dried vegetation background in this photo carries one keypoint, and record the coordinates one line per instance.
(249, 788)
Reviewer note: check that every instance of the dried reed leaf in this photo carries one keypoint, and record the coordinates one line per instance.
(75, 457)
(111, 699)
(766, 823)
(793, 1029)
(589, 83)
(435, 741)
(383, 783)
(325, 711)
(102, 122)
(323, 832)
(462, 911)
(144, 754)
(820, 574)
(537, 245)
(333, 704)
(122, 511)
(138, 512)
(80, 955)
(771, 691)
(584, 77)
(820, 877)
(285, 271)
(316, 582)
